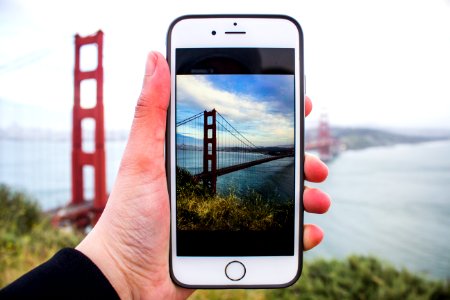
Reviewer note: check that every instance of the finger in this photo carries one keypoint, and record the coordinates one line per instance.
(150, 115)
(308, 105)
(145, 146)
(315, 169)
(156, 86)
(316, 201)
(312, 236)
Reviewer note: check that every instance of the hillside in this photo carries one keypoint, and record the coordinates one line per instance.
(360, 138)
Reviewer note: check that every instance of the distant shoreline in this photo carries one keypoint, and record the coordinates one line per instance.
(362, 138)
(351, 138)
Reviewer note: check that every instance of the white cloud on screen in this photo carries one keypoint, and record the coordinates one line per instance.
(242, 111)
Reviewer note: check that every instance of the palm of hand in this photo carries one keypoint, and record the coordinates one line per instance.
(130, 243)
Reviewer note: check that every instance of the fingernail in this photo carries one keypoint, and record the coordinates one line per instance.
(151, 64)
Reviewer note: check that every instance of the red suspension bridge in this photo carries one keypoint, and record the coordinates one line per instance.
(208, 146)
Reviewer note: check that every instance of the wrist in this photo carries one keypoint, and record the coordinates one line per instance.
(96, 249)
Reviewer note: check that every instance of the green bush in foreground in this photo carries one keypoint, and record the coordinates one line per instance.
(199, 210)
(27, 238)
(360, 277)
(230, 213)
(356, 277)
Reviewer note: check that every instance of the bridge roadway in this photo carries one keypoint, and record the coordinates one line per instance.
(226, 170)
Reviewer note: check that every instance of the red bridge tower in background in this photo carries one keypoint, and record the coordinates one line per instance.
(324, 142)
(80, 211)
(324, 139)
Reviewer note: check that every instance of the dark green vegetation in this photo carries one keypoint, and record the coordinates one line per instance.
(198, 210)
(356, 277)
(27, 238)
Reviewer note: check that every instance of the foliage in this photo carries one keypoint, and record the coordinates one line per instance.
(356, 277)
(360, 277)
(27, 238)
(18, 213)
(197, 210)
(187, 185)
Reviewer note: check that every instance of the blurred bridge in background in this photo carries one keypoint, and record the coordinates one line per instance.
(324, 143)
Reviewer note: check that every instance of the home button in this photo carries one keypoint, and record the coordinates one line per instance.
(235, 270)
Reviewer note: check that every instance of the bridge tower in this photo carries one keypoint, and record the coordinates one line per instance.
(80, 158)
(324, 139)
(80, 211)
(209, 150)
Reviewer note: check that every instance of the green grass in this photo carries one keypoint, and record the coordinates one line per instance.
(27, 238)
(356, 277)
(199, 210)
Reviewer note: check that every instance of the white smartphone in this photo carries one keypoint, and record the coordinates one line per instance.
(235, 150)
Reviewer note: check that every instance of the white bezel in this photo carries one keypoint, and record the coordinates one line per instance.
(262, 271)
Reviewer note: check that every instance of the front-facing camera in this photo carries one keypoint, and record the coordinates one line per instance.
(213, 32)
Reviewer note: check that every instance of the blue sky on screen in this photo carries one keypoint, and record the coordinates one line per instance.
(260, 106)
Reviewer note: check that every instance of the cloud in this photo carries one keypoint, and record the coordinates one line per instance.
(252, 115)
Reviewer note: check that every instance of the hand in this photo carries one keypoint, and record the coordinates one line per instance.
(130, 243)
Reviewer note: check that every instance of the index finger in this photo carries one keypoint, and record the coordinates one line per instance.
(308, 105)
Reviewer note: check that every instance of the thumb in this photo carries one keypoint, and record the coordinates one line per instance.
(145, 148)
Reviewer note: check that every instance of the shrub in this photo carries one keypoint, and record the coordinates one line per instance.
(27, 238)
(18, 212)
(199, 210)
(360, 277)
(357, 277)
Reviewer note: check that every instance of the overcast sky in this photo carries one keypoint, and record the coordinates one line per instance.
(368, 63)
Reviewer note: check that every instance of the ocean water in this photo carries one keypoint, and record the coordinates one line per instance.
(391, 202)
(273, 180)
(42, 168)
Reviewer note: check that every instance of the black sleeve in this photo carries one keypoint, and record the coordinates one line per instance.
(67, 275)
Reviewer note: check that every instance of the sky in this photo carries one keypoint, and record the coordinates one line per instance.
(367, 63)
(261, 107)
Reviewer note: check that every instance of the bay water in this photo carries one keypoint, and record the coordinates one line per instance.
(272, 180)
(390, 202)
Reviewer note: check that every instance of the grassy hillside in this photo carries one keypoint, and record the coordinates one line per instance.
(199, 210)
(360, 138)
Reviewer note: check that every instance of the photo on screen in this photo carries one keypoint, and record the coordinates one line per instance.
(235, 146)
(235, 151)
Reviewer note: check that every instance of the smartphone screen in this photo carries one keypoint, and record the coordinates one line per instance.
(235, 146)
